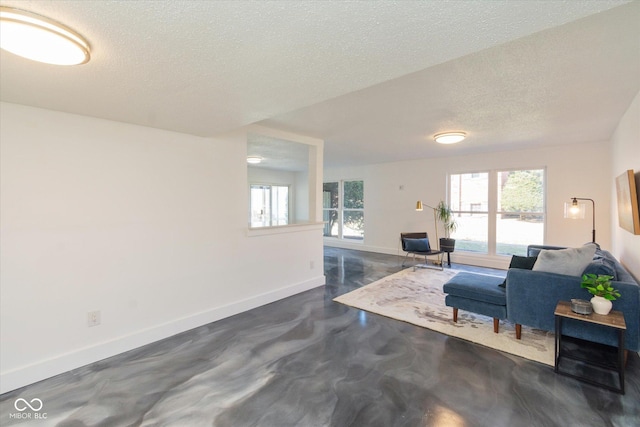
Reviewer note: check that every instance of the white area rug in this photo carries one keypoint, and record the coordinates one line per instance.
(416, 297)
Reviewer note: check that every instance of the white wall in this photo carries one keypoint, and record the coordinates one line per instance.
(145, 225)
(301, 197)
(392, 189)
(626, 155)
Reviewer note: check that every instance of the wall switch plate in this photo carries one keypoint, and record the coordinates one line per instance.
(93, 318)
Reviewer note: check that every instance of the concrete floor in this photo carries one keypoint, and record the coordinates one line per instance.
(307, 361)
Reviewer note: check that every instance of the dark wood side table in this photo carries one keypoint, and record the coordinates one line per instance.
(615, 319)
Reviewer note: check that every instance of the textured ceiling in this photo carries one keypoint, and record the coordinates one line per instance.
(570, 84)
(278, 154)
(371, 78)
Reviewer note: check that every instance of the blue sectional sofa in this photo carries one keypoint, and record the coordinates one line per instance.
(532, 297)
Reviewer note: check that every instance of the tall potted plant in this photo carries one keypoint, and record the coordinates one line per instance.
(445, 216)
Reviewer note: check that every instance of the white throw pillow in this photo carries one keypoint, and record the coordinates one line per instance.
(571, 262)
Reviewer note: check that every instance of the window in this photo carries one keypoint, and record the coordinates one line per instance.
(498, 212)
(520, 211)
(469, 202)
(343, 209)
(330, 205)
(269, 205)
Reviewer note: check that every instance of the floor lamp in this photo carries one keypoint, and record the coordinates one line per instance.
(419, 207)
(575, 210)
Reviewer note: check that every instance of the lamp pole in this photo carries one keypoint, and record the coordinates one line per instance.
(419, 206)
(593, 204)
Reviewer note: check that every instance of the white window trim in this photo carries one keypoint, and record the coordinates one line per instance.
(492, 212)
(341, 209)
(290, 202)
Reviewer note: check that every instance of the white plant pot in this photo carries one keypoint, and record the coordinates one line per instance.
(601, 305)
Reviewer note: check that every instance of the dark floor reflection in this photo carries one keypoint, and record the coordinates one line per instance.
(307, 361)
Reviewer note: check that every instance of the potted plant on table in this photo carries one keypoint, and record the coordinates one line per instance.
(444, 215)
(603, 293)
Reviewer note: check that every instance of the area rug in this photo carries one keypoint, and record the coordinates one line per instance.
(416, 297)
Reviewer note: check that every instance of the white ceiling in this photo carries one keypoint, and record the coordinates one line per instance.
(373, 79)
(278, 154)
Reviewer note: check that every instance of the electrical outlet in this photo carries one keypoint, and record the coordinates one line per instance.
(312, 265)
(93, 318)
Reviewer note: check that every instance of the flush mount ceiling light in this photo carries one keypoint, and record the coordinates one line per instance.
(254, 160)
(40, 39)
(449, 137)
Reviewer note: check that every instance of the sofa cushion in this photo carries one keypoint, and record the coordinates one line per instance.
(601, 266)
(534, 250)
(571, 261)
(523, 262)
(477, 287)
(417, 245)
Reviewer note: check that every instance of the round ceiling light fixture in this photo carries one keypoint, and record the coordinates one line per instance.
(254, 160)
(41, 39)
(449, 137)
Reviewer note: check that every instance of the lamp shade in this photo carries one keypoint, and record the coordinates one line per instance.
(419, 205)
(576, 211)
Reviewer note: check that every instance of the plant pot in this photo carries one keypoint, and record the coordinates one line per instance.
(447, 244)
(601, 305)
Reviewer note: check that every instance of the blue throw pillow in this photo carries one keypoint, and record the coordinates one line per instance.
(417, 245)
(602, 266)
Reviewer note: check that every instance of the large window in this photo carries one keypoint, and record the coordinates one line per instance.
(469, 201)
(498, 212)
(269, 205)
(343, 209)
(520, 211)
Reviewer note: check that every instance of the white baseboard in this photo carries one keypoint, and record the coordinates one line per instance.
(48, 368)
(345, 244)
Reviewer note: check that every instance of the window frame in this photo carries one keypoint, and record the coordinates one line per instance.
(341, 210)
(492, 211)
(471, 212)
(271, 204)
(500, 211)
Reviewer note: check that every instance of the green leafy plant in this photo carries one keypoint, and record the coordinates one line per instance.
(444, 215)
(600, 286)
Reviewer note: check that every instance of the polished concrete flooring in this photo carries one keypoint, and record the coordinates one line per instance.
(307, 361)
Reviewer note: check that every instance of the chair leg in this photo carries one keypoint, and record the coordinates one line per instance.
(455, 315)
(496, 324)
(518, 331)
(405, 259)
